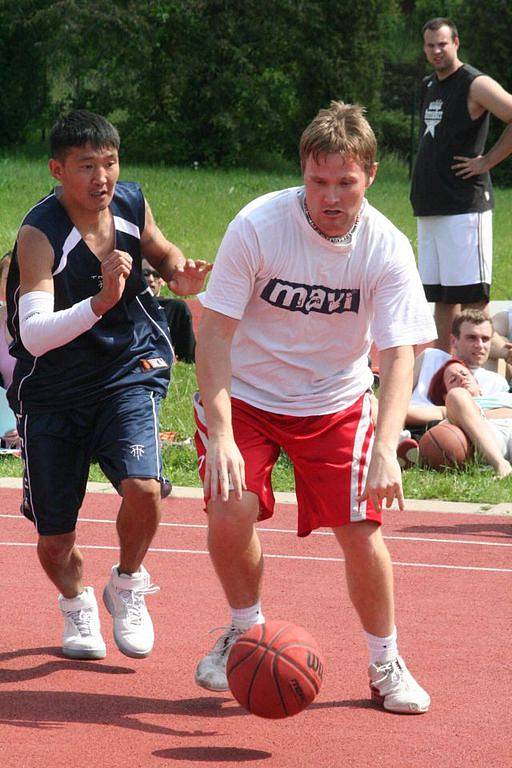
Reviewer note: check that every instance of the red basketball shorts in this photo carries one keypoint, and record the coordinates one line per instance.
(330, 456)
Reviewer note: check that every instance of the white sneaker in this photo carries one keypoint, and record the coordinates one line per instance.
(211, 670)
(82, 635)
(124, 599)
(393, 686)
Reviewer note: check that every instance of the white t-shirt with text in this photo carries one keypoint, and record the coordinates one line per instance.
(309, 309)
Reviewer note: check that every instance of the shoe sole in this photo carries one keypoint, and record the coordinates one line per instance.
(92, 655)
(132, 654)
(207, 687)
(414, 709)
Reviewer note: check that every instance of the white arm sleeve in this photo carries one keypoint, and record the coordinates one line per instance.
(42, 329)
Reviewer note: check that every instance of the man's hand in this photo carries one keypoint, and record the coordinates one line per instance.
(224, 466)
(188, 278)
(465, 167)
(384, 481)
(115, 269)
(506, 352)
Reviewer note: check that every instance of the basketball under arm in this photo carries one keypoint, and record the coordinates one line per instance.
(42, 329)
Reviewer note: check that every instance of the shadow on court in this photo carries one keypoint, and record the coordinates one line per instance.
(51, 709)
(9, 676)
(490, 530)
(213, 754)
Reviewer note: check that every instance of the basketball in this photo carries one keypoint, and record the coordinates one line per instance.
(445, 445)
(275, 669)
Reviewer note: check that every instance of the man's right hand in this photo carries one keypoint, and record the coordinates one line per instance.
(115, 269)
(224, 469)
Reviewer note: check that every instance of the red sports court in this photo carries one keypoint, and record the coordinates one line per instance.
(453, 575)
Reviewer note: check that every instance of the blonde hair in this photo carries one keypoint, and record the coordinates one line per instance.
(340, 129)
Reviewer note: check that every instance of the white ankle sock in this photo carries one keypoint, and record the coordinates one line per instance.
(382, 649)
(243, 618)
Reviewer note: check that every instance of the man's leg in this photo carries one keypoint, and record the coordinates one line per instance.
(236, 554)
(235, 548)
(370, 583)
(137, 521)
(369, 575)
(62, 562)
(129, 582)
(444, 315)
(53, 490)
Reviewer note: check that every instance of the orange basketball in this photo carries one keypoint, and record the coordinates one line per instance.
(445, 445)
(275, 669)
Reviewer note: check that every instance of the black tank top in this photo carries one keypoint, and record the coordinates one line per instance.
(447, 130)
(128, 346)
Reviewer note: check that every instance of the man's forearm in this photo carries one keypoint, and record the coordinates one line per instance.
(213, 370)
(396, 367)
(501, 150)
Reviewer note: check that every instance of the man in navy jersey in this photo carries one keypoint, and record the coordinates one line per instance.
(451, 191)
(93, 360)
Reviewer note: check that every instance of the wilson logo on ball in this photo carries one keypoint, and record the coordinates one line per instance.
(314, 664)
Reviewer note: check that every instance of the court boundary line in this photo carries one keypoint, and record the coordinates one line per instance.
(203, 526)
(391, 537)
(316, 558)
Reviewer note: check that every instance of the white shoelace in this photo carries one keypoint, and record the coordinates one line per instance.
(391, 673)
(82, 620)
(134, 602)
(229, 636)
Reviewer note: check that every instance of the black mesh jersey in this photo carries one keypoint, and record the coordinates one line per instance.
(128, 346)
(447, 130)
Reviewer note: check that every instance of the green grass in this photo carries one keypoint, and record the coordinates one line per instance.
(193, 209)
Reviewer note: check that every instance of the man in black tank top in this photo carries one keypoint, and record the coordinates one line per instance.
(93, 358)
(451, 191)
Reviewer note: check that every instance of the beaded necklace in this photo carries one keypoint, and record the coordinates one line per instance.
(345, 239)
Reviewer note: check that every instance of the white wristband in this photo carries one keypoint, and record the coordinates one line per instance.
(42, 329)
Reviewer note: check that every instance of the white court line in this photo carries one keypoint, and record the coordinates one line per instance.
(293, 531)
(165, 550)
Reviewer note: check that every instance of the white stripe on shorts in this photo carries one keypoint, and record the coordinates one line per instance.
(358, 510)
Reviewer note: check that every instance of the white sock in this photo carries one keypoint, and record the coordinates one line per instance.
(243, 618)
(382, 649)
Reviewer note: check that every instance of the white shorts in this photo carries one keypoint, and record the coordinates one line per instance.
(455, 257)
(502, 428)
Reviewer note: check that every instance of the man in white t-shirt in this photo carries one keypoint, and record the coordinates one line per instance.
(304, 280)
(472, 331)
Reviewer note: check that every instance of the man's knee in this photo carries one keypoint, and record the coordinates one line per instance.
(142, 493)
(233, 514)
(56, 549)
(359, 538)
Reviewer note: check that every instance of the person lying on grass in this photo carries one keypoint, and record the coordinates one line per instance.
(487, 421)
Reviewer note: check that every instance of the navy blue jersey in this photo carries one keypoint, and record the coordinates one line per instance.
(128, 346)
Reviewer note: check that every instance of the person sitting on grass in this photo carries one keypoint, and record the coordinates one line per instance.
(501, 342)
(9, 438)
(177, 313)
(472, 331)
(487, 421)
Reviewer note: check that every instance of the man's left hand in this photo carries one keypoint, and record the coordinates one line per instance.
(465, 167)
(188, 278)
(384, 481)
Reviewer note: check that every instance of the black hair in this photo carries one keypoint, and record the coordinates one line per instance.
(79, 128)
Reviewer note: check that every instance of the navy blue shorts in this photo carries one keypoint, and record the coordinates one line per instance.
(121, 433)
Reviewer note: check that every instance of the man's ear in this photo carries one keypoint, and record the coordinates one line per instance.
(372, 174)
(55, 168)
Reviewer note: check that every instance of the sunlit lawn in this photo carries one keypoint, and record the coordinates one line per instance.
(193, 208)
